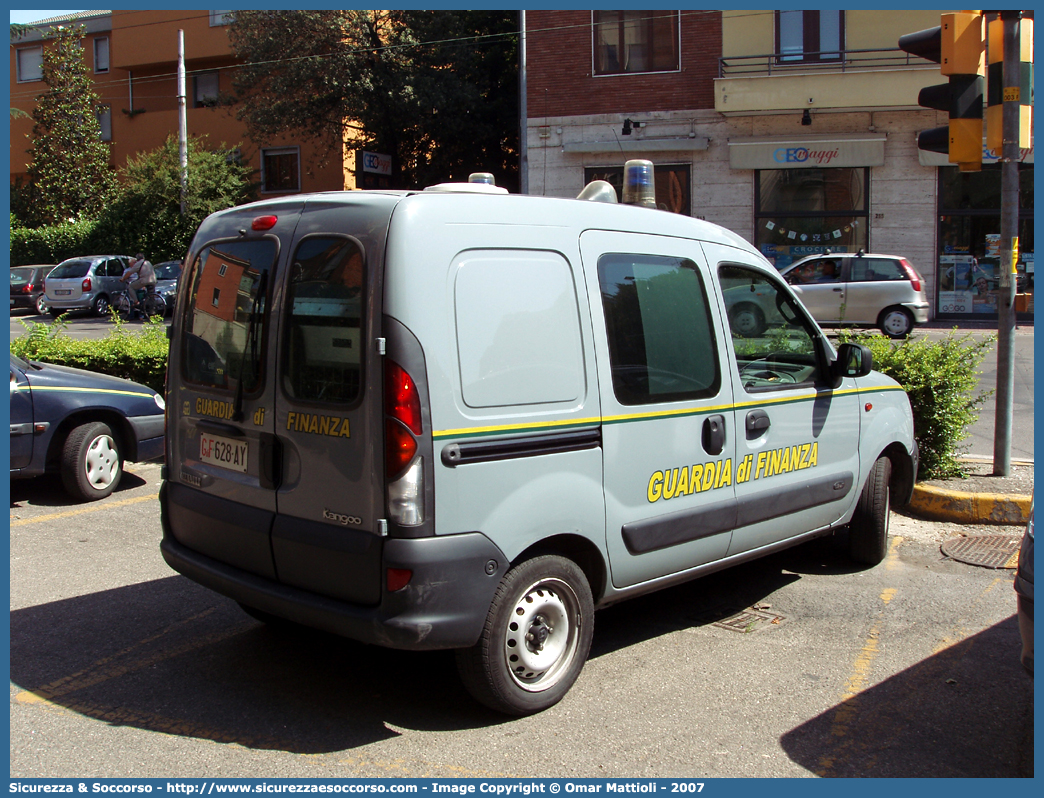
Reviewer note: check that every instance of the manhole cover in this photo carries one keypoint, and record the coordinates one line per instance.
(749, 620)
(989, 551)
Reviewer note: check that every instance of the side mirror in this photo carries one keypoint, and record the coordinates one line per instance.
(853, 360)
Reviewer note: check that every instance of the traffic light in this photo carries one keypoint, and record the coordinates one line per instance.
(995, 95)
(957, 46)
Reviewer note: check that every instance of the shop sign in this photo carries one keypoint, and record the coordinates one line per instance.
(926, 158)
(806, 153)
(377, 164)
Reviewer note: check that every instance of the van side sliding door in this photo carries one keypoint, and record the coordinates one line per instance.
(667, 431)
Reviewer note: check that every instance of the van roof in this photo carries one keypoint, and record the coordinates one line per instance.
(522, 209)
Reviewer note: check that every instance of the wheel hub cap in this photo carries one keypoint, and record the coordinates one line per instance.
(541, 636)
(102, 462)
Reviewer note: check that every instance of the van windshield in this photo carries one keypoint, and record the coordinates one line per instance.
(224, 282)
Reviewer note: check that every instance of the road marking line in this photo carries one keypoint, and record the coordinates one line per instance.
(847, 711)
(81, 510)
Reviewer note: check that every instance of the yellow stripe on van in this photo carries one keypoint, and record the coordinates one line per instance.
(558, 426)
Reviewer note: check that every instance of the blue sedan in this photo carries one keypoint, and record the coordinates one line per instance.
(81, 425)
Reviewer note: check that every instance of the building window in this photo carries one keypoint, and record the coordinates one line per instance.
(635, 41)
(101, 54)
(971, 251)
(810, 35)
(218, 18)
(799, 212)
(105, 122)
(205, 89)
(222, 269)
(673, 192)
(30, 64)
(280, 170)
(217, 297)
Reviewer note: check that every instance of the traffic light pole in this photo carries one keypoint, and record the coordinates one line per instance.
(1009, 232)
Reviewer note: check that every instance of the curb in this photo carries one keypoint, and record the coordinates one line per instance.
(970, 508)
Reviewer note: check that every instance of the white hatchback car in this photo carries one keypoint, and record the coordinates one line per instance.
(884, 291)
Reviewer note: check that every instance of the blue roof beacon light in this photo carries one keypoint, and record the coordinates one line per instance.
(639, 184)
(482, 177)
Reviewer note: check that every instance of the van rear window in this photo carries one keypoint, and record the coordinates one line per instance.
(322, 358)
(219, 346)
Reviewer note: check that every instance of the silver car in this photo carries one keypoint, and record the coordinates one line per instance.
(85, 283)
(883, 291)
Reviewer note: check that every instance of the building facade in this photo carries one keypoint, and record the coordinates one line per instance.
(133, 57)
(795, 129)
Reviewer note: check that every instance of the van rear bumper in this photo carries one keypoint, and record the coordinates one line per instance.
(444, 605)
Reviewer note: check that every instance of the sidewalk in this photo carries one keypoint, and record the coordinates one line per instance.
(982, 498)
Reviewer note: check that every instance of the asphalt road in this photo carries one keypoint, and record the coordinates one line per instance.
(794, 666)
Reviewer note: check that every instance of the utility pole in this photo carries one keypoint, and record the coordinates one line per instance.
(523, 128)
(1009, 242)
(182, 123)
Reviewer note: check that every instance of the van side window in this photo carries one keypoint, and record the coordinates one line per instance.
(661, 338)
(771, 336)
(217, 320)
(322, 359)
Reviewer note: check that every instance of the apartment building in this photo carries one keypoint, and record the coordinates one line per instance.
(796, 129)
(133, 57)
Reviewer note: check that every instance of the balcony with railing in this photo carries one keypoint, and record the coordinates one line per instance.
(831, 61)
(829, 80)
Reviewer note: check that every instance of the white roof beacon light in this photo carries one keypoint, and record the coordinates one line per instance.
(639, 184)
(598, 191)
(478, 183)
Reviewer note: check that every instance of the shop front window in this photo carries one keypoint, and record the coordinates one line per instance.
(801, 212)
(970, 248)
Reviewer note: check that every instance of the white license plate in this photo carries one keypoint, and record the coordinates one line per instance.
(223, 452)
(62, 291)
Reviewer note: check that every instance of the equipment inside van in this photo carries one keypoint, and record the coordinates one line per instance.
(459, 418)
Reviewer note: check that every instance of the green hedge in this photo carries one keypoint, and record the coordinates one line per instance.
(55, 243)
(134, 355)
(940, 377)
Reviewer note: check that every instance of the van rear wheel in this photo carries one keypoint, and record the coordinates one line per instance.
(536, 638)
(868, 531)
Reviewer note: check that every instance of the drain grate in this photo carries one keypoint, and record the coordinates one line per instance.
(989, 551)
(749, 620)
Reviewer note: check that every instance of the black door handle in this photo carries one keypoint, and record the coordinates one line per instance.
(757, 422)
(714, 434)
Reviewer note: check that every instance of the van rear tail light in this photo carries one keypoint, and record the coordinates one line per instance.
(911, 272)
(406, 496)
(86, 284)
(399, 447)
(401, 399)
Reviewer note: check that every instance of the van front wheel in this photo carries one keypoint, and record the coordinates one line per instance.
(868, 531)
(536, 638)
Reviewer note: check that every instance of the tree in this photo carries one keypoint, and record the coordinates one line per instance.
(437, 89)
(146, 214)
(69, 164)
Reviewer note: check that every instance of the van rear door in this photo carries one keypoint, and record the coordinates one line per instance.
(223, 456)
(328, 414)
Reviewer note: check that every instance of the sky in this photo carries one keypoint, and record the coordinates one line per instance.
(25, 17)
